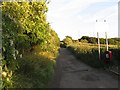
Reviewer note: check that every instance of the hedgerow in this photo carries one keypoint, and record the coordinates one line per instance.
(26, 30)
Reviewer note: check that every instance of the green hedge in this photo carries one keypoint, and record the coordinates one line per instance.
(90, 56)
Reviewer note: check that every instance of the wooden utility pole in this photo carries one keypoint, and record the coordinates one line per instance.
(106, 40)
(98, 45)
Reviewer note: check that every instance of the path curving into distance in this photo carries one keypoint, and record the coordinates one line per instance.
(71, 73)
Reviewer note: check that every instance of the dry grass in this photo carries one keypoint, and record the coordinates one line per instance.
(88, 53)
(36, 69)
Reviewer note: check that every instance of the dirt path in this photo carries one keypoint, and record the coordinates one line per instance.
(71, 73)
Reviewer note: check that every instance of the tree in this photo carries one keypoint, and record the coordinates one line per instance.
(85, 37)
(111, 41)
(102, 41)
(92, 40)
(68, 40)
(84, 41)
(31, 18)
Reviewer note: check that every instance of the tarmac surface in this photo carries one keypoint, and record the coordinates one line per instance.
(72, 73)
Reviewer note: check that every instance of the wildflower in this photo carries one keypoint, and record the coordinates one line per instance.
(10, 74)
(11, 42)
(4, 74)
(20, 55)
(6, 69)
(8, 79)
(13, 55)
(17, 52)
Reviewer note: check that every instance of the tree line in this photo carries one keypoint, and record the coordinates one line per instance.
(94, 40)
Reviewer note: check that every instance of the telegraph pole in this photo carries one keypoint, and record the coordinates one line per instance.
(98, 45)
(106, 40)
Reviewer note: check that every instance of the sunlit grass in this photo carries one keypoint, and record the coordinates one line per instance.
(36, 70)
(88, 53)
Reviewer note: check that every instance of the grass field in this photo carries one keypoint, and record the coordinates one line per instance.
(88, 53)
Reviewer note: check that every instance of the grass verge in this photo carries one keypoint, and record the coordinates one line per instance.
(89, 54)
(35, 71)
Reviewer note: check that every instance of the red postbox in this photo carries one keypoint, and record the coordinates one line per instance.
(108, 55)
(108, 58)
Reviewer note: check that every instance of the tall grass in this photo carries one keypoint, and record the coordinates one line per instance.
(36, 70)
(88, 53)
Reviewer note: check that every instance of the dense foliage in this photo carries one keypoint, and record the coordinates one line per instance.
(25, 29)
(68, 40)
(31, 19)
(93, 40)
(88, 52)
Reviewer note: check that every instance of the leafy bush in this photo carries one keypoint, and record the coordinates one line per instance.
(35, 71)
(92, 40)
(84, 41)
(102, 41)
(31, 19)
(68, 40)
(24, 29)
(9, 52)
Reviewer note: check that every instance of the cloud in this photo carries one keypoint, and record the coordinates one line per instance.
(66, 18)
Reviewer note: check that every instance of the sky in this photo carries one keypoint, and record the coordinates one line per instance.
(77, 18)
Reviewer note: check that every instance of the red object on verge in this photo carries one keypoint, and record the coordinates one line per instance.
(110, 55)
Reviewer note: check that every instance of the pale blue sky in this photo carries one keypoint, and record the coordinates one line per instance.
(77, 18)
